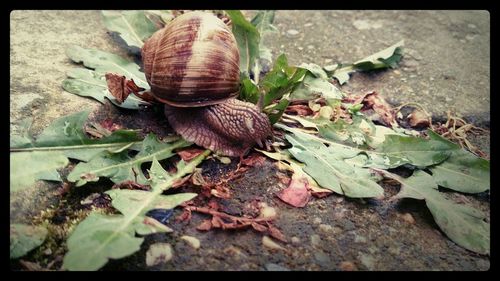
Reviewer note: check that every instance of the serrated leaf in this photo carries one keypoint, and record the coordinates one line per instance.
(28, 167)
(249, 91)
(462, 171)
(418, 152)
(263, 21)
(103, 62)
(276, 111)
(120, 167)
(313, 87)
(134, 27)
(99, 237)
(462, 224)
(247, 37)
(63, 139)
(315, 70)
(91, 83)
(388, 57)
(327, 167)
(24, 238)
(280, 80)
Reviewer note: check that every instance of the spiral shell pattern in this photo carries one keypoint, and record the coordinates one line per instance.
(193, 61)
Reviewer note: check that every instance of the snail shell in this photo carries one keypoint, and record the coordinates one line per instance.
(193, 61)
(192, 65)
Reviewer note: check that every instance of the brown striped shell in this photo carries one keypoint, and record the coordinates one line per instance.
(193, 61)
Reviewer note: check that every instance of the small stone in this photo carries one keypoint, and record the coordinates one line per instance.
(308, 24)
(300, 48)
(397, 72)
(394, 251)
(158, 253)
(470, 25)
(366, 24)
(359, 239)
(282, 46)
(322, 258)
(267, 211)
(295, 240)
(407, 217)
(470, 37)
(463, 41)
(267, 242)
(315, 240)
(328, 61)
(448, 99)
(47, 252)
(192, 241)
(325, 228)
(317, 220)
(310, 47)
(292, 32)
(347, 266)
(275, 267)
(367, 260)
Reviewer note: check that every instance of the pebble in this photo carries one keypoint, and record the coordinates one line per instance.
(267, 211)
(192, 241)
(159, 253)
(328, 61)
(310, 47)
(448, 99)
(317, 220)
(295, 240)
(267, 242)
(366, 24)
(300, 48)
(359, 239)
(347, 266)
(292, 32)
(470, 37)
(470, 25)
(315, 240)
(394, 251)
(308, 24)
(322, 258)
(367, 260)
(275, 267)
(325, 228)
(407, 217)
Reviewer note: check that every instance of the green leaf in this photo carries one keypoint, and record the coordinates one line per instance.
(39, 160)
(134, 27)
(276, 111)
(120, 167)
(249, 91)
(416, 151)
(89, 83)
(388, 57)
(28, 167)
(462, 171)
(315, 70)
(103, 62)
(462, 224)
(24, 238)
(99, 237)
(247, 37)
(263, 21)
(313, 87)
(327, 166)
(92, 83)
(281, 80)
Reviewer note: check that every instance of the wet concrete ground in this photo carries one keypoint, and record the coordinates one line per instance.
(446, 67)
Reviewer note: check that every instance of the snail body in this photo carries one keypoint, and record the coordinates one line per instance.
(192, 66)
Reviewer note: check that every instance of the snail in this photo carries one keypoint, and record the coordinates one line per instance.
(192, 66)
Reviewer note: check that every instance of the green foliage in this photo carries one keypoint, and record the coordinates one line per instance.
(100, 237)
(134, 27)
(463, 224)
(91, 83)
(24, 238)
(32, 160)
(120, 167)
